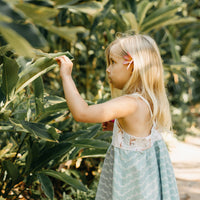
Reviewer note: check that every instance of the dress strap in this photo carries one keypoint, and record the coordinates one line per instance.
(139, 95)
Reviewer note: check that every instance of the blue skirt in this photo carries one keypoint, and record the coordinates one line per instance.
(138, 175)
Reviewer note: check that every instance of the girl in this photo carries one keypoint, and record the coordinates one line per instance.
(137, 164)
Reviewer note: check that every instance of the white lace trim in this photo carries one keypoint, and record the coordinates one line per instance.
(123, 140)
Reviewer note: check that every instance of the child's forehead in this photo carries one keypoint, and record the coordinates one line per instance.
(115, 51)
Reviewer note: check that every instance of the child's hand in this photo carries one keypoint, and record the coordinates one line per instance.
(108, 126)
(65, 64)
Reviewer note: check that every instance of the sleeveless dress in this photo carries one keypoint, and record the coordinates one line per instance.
(137, 168)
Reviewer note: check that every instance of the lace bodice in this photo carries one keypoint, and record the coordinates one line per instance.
(122, 139)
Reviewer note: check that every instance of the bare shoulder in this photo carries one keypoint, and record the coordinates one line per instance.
(139, 104)
(126, 99)
(125, 105)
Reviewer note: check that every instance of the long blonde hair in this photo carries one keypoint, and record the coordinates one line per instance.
(147, 78)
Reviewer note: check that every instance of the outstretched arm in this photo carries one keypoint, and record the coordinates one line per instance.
(115, 108)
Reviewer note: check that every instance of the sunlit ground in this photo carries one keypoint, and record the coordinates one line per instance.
(185, 157)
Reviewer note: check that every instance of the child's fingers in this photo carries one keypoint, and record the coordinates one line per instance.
(64, 60)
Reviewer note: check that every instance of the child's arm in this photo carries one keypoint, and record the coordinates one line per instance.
(115, 108)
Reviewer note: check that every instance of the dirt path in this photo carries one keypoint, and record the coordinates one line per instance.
(185, 158)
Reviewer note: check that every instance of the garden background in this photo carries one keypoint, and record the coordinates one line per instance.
(44, 153)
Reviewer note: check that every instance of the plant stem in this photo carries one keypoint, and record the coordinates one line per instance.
(20, 146)
(2, 182)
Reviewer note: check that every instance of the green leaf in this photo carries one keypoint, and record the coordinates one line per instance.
(10, 76)
(92, 132)
(38, 130)
(93, 153)
(20, 25)
(38, 14)
(160, 13)
(172, 42)
(71, 136)
(68, 33)
(66, 179)
(53, 109)
(36, 69)
(183, 20)
(156, 18)
(6, 149)
(47, 185)
(33, 71)
(101, 16)
(90, 8)
(173, 20)
(52, 153)
(87, 143)
(41, 130)
(4, 49)
(5, 18)
(142, 9)
(33, 149)
(38, 88)
(61, 2)
(118, 19)
(196, 12)
(17, 42)
(132, 21)
(12, 170)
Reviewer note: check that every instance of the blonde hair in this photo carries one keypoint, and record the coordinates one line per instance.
(147, 78)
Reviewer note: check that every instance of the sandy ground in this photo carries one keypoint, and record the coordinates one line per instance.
(185, 157)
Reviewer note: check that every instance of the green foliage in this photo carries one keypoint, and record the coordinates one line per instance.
(41, 145)
(33, 145)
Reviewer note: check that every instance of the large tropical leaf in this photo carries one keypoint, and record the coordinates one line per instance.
(87, 143)
(38, 87)
(42, 131)
(5, 18)
(6, 149)
(66, 179)
(41, 15)
(38, 14)
(68, 33)
(162, 17)
(42, 159)
(47, 185)
(172, 43)
(17, 42)
(52, 110)
(15, 21)
(131, 21)
(37, 130)
(91, 132)
(101, 16)
(12, 170)
(90, 8)
(36, 69)
(10, 77)
(93, 153)
(142, 9)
